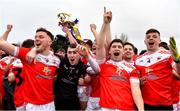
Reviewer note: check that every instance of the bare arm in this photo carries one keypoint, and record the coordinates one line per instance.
(176, 71)
(175, 74)
(101, 52)
(6, 33)
(72, 40)
(108, 36)
(93, 30)
(136, 93)
(4, 45)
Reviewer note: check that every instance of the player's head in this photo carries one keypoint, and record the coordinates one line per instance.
(152, 40)
(164, 45)
(116, 50)
(61, 53)
(28, 43)
(43, 39)
(128, 51)
(94, 47)
(72, 54)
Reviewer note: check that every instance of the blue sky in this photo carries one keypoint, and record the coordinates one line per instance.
(132, 17)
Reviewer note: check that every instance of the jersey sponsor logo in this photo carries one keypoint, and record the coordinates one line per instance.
(151, 77)
(120, 78)
(44, 76)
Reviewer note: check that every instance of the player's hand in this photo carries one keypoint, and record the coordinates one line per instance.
(9, 27)
(11, 77)
(30, 56)
(93, 27)
(107, 16)
(81, 81)
(174, 50)
(142, 81)
(87, 79)
(82, 50)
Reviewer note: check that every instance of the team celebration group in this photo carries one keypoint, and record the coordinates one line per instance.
(104, 75)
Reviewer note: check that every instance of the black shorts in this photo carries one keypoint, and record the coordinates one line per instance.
(67, 103)
(148, 107)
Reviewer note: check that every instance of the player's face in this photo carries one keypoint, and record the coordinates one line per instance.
(152, 41)
(128, 52)
(73, 56)
(61, 54)
(42, 42)
(2, 52)
(116, 51)
(94, 48)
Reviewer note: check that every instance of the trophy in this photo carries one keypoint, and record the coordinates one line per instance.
(65, 20)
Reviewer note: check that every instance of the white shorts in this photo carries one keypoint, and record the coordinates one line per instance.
(176, 107)
(21, 108)
(93, 104)
(83, 93)
(109, 109)
(45, 107)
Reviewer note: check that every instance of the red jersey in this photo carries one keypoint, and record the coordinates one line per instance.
(16, 68)
(38, 77)
(115, 90)
(156, 68)
(95, 86)
(175, 90)
(95, 83)
(3, 62)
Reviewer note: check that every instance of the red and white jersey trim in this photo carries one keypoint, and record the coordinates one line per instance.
(149, 59)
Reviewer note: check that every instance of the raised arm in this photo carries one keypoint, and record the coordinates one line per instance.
(93, 30)
(108, 36)
(6, 33)
(72, 40)
(101, 51)
(4, 45)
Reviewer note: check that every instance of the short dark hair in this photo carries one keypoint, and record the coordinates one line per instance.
(135, 50)
(128, 43)
(46, 31)
(88, 41)
(61, 49)
(16, 44)
(142, 52)
(115, 40)
(28, 43)
(152, 31)
(164, 45)
(72, 45)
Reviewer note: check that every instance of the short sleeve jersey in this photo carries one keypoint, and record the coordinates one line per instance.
(38, 77)
(115, 91)
(156, 68)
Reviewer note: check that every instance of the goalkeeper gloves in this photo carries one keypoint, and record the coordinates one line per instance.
(174, 50)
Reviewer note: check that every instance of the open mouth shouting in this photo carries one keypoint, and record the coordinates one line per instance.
(116, 53)
(72, 59)
(151, 44)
